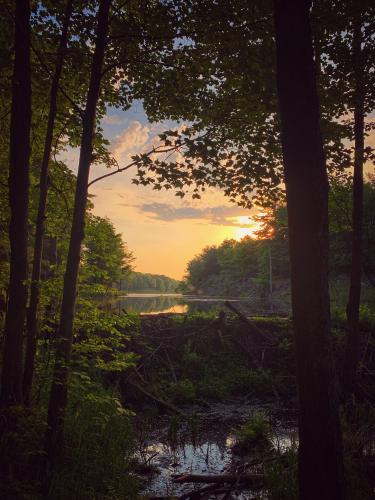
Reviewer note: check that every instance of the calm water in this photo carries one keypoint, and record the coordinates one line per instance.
(207, 448)
(177, 303)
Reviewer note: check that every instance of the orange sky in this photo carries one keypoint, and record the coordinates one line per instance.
(163, 231)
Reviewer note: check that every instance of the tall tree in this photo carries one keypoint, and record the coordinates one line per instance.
(32, 312)
(59, 389)
(11, 382)
(353, 341)
(320, 450)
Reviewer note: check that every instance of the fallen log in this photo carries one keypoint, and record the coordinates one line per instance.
(199, 493)
(254, 480)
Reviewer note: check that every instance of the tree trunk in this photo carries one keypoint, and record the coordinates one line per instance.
(320, 450)
(352, 310)
(32, 312)
(11, 382)
(58, 395)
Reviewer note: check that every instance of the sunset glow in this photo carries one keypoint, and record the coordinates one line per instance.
(249, 227)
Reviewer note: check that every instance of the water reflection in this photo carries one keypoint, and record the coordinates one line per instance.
(211, 454)
(207, 458)
(176, 303)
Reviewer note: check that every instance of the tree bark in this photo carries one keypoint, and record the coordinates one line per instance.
(11, 381)
(32, 313)
(320, 449)
(59, 389)
(352, 310)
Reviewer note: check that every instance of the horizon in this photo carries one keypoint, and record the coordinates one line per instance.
(147, 218)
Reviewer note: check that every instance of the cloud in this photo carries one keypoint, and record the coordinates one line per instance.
(131, 141)
(113, 120)
(220, 215)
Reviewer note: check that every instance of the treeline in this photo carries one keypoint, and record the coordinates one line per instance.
(146, 282)
(218, 270)
(105, 258)
(261, 265)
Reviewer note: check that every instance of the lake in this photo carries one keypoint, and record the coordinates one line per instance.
(149, 303)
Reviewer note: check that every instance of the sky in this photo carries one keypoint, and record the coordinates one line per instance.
(163, 231)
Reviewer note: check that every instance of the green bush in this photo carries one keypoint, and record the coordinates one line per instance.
(281, 476)
(182, 391)
(213, 387)
(99, 446)
(254, 435)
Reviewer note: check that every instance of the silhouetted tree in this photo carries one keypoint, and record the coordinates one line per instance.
(352, 310)
(11, 381)
(32, 312)
(59, 389)
(320, 450)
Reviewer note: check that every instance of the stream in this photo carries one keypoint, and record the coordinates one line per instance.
(168, 446)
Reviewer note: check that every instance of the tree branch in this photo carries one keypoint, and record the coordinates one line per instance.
(122, 169)
(45, 67)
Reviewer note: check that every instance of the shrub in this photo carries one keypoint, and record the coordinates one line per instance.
(253, 435)
(99, 446)
(182, 391)
(281, 476)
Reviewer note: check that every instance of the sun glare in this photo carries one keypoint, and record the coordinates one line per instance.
(245, 226)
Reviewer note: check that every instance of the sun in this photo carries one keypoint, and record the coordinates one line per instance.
(245, 226)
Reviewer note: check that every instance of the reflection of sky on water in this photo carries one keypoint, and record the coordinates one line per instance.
(169, 303)
(207, 458)
(178, 309)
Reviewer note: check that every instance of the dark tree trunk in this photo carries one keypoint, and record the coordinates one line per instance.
(320, 451)
(11, 382)
(59, 389)
(352, 310)
(32, 312)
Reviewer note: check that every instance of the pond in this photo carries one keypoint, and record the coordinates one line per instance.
(148, 303)
(203, 446)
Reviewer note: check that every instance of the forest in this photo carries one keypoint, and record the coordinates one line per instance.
(147, 282)
(267, 103)
(261, 266)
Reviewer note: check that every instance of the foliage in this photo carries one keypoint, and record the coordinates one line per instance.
(281, 475)
(358, 424)
(181, 391)
(240, 267)
(21, 446)
(146, 282)
(254, 435)
(105, 258)
(214, 376)
(236, 267)
(99, 446)
(102, 338)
